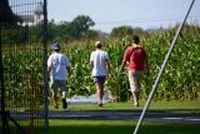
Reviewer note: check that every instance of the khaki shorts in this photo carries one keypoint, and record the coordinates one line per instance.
(134, 80)
(55, 85)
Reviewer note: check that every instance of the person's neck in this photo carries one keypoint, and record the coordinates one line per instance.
(135, 45)
(55, 52)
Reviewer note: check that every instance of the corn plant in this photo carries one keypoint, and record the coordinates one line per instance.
(181, 78)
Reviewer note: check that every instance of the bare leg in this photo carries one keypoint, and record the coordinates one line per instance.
(99, 88)
(136, 97)
(55, 99)
(63, 94)
(64, 99)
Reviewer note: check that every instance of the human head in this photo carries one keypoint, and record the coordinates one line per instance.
(98, 44)
(136, 39)
(55, 47)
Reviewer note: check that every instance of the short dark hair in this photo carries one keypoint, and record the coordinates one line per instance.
(57, 50)
(99, 45)
(136, 39)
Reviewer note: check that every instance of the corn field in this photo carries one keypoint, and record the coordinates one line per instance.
(181, 79)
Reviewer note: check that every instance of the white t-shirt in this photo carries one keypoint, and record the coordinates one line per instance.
(58, 63)
(99, 58)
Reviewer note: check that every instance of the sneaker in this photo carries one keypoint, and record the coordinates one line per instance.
(64, 103)
(136, 104)
(56, 106)
(100, 105)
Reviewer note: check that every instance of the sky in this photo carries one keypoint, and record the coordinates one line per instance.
(108, 14)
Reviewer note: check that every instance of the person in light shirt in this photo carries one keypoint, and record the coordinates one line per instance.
(99, 60)
(58, 70)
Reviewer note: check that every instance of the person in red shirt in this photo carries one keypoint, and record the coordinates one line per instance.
(136, 58)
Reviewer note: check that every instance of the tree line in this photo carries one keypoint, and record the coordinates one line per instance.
(78, 28)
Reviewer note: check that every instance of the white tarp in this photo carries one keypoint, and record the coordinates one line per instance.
(90, 99)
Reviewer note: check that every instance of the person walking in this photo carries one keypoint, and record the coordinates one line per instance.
(99, 60)
(136, 58)
(58, 70)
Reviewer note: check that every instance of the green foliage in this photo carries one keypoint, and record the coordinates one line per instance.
(181, 78)
(179, 81)
(121, 31)
(80, 25)
(23, 78)
(14, 34)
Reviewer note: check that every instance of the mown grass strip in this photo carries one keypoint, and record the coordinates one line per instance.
(118, 127)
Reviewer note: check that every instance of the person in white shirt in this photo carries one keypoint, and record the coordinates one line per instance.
(58, 70)
(99, 60)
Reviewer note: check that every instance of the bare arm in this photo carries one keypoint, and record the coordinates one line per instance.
(122, 65)
(49, 71)
(147, 70)
(126, 57)
(91, 64)
(68, 70)
(91, 60)
(108, 66)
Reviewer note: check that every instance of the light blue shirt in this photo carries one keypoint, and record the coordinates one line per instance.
(58, 63)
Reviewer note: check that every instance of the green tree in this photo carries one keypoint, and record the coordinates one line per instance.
(139, 31)
(53, 31)
(121, 31)
(80, 25)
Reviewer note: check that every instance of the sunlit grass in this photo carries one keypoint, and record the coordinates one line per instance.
(186, 105)
(118, 127)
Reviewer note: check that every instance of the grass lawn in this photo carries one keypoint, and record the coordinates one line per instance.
(176, 106)
(127, 126)
(118, 127)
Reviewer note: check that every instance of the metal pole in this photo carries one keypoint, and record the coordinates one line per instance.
(45, 67)
(162, 69)
(3, 117)
(3, 112)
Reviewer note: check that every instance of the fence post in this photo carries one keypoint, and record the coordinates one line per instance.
(46, 125)
(3, 116)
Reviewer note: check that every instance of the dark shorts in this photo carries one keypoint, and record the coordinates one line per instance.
(99, 79)
(55, 85)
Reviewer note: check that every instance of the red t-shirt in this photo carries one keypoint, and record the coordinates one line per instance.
(136, 59)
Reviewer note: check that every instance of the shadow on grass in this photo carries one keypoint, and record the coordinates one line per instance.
(110, 127)
(124, 128)
(90, 130)
(140, 110)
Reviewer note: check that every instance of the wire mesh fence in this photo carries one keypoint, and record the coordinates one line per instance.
(22, 66)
